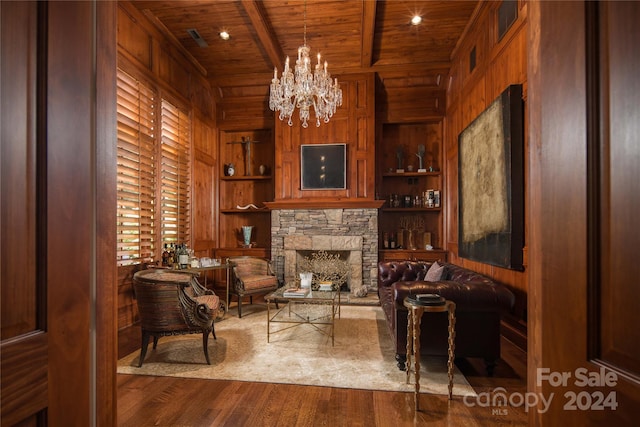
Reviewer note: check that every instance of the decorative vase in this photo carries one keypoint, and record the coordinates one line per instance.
(410, 241)
(246, 234)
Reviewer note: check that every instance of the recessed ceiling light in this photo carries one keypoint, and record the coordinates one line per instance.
(224, 35)
(416, 20)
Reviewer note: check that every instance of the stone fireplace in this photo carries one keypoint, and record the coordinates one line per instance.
(353, 232)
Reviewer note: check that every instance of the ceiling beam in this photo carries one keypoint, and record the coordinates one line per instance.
(265, 32)
(409, 71)
(368, 32)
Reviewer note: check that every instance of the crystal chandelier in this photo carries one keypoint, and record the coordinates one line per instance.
(305, 89)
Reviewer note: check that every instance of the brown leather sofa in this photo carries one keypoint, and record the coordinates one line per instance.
(480, 303)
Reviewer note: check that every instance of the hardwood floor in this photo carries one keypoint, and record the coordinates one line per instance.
(164, 401)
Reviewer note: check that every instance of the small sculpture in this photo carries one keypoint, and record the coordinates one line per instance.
(413, 224)
(246, 144)
(400, 156)
(420, 155)
(361, 292)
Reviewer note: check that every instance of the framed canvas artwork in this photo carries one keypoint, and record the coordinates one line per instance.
(491, 184)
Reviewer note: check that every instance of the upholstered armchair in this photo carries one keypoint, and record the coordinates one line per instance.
(251, 276)
(172, 303)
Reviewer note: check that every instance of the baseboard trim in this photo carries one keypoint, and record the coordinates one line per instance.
(517, 333)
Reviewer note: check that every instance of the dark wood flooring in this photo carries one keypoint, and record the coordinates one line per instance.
(164, 401)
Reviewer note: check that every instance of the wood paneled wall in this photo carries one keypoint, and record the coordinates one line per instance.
(410, 97)
(204, 186)
(245, 108)
(145, 46)
(149, 47)
(499, 63)
(353, 123)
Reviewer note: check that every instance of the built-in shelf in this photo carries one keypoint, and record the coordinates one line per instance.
(407, 139)
(412, 209)
(246, 178)
(246, 187)
(410, 174)
(244, 211)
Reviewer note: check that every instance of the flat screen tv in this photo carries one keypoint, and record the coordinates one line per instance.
(323, 166)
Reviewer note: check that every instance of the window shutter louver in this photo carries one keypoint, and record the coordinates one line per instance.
(175, 174)
(135, 171)
(153, 175)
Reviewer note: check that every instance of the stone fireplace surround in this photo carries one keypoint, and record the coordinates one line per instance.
(354, 231)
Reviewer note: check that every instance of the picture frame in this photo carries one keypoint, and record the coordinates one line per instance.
(323, 166)
(491, 184)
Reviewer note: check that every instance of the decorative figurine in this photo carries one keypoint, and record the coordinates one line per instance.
(420, 155)
(400, 156)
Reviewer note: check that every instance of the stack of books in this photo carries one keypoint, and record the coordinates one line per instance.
(296, 292)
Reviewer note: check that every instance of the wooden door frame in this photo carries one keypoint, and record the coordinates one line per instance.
(106, 273)
(561, 126)
(59, 365)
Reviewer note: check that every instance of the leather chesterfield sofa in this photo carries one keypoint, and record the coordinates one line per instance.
(480, 303)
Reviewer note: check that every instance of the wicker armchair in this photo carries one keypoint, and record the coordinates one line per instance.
(251, 276)
(173, 303)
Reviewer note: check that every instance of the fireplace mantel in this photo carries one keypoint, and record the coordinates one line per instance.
(309, 203)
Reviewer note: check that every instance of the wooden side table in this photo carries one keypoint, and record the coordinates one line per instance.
(416, 306)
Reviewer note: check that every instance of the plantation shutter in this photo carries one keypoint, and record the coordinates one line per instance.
(175, 197)
(135, 173)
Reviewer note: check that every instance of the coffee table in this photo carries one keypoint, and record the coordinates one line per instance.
(303, 310)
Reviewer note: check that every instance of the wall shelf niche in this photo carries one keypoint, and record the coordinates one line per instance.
(246, 187)
(391, 185)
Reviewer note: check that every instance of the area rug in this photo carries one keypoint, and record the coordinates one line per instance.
(363, 356)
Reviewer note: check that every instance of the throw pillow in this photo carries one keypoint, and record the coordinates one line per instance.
(435, 273)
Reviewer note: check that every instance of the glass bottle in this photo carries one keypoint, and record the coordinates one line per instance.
(165, 256)
(172, 256)
(183, 256)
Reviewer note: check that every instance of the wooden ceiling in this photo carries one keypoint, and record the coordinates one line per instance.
(352, 35)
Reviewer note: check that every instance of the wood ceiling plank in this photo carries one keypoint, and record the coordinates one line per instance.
(353, 36)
